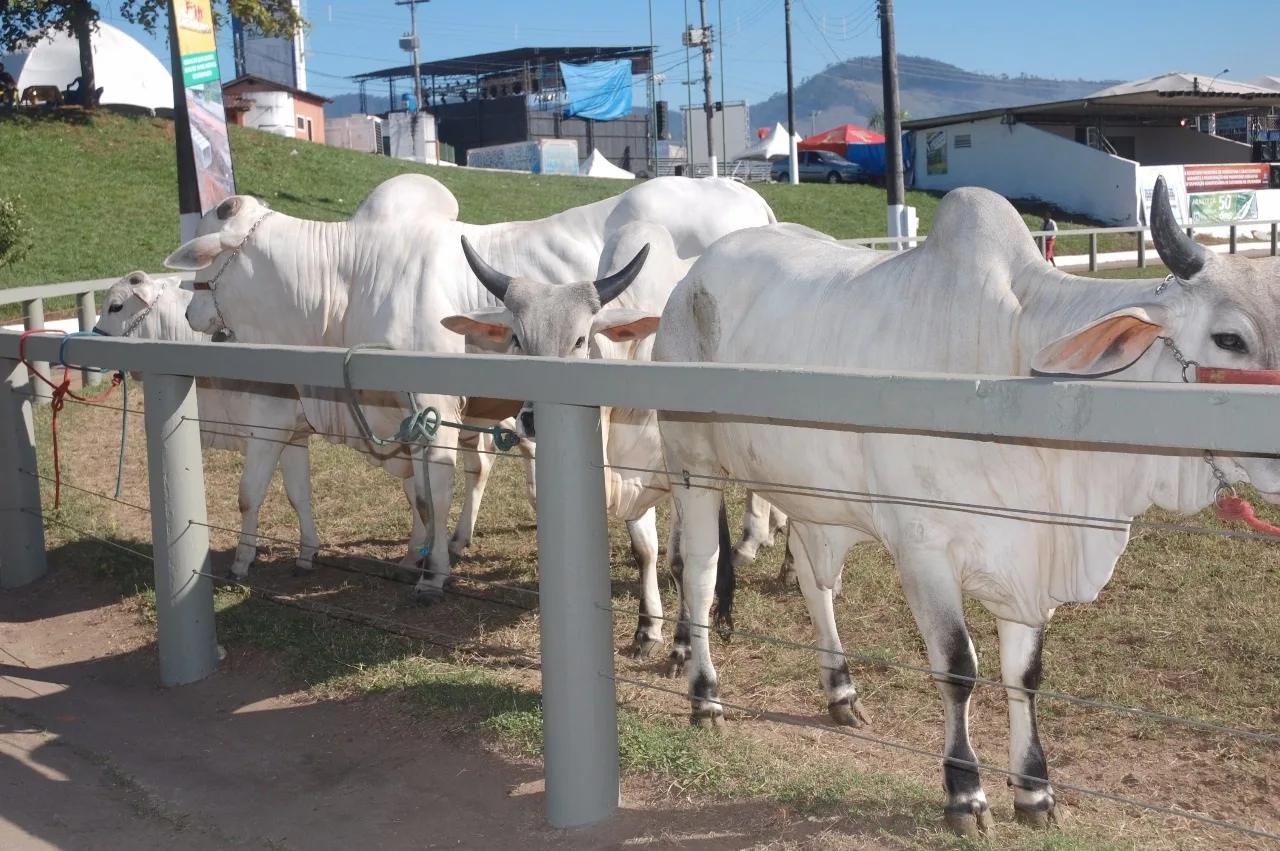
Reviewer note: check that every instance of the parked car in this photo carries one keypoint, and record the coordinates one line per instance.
(821, 167)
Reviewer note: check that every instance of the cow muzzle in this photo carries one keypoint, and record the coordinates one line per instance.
(524, 423)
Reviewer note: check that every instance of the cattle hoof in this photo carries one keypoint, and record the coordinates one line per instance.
(708, 719)
(642, 647)
(303, 568)
(428, 596)
(1037, 818)
(974, 822)
(846, 715)
(724, 628)
(675, 663)
(238, 575)
(457, 548)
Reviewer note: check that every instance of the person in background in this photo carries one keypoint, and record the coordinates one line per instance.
(1048, 225)
(8, 88)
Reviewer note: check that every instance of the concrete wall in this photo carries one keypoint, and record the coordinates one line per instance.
(1181, 145)
(1024, 162)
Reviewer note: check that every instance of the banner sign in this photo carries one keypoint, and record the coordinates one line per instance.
(1224, 207)
(202, 81)
(1226, 178)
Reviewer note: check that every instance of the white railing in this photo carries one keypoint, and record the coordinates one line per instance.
(579, 703)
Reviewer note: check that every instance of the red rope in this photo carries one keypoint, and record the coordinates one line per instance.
(61, 391)
(1238, 508)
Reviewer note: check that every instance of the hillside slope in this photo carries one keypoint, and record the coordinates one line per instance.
(851, 91)
(102, 199)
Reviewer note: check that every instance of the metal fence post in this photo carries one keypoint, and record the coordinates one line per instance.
(22, 558)
(1275, 239)
(1232, 248)
(1142, 249)
(33, 320)
(579, 706)
(184, 590)
(1093, 252)
(87, 317)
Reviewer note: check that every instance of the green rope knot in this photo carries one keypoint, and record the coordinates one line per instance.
(420, 426)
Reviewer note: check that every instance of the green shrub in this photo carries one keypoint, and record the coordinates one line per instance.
(15, 234)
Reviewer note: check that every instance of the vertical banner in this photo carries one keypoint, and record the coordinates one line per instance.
(935, 151)
(205, 175)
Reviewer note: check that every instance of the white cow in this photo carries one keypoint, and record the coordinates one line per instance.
(975, 298)
(263, 422)
(277, 279)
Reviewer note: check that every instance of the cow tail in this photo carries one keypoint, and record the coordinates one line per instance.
(726, 581)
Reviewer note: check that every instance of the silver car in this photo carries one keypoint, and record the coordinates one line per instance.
(821, 167)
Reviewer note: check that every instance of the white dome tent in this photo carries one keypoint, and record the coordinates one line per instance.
(597, 165)
(127, 73)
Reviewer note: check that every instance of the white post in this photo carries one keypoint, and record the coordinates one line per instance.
(33, 320)
(579, 706)
(793, 161)
(897, 225)
(715, 166)
(21, 528)
(184, 590)
(87, 317)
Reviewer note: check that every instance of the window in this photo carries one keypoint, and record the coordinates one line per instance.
(964, 140)
(302, 123)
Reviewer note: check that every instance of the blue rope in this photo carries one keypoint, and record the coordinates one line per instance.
(124, 407)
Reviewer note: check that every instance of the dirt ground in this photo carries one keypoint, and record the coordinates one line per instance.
(95, 755)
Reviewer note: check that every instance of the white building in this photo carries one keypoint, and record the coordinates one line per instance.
(1099, 156)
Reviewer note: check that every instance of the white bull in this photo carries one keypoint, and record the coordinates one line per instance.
(276, 279)
(263, 422)
(975, 298)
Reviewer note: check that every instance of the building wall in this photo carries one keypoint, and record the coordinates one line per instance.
(1182, 145)
(272, 111)
(1024, 162)
(312, 111)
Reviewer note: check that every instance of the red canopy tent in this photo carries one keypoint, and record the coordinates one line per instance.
(840, 138)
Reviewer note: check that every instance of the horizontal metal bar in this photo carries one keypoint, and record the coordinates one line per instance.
(1063, 233)
(18, 295)
(1217, 417)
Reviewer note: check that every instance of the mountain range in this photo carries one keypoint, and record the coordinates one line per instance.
(851, 92)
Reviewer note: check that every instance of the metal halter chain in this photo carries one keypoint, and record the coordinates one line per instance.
(1164, 285)
(1224, 487)
(211, 284)
(137, 320)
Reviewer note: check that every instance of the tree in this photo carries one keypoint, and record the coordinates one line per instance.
(21, 22)
(877, 119)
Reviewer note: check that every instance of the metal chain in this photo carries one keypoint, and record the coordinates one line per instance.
(211, 284)
(1224, 487)
(1182, 360)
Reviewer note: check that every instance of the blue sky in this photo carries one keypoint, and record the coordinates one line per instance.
(1090, 39)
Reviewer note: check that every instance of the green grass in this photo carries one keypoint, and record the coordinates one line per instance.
(100, 192)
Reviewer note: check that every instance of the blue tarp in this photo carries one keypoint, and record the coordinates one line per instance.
(599, 90)
(871, 157)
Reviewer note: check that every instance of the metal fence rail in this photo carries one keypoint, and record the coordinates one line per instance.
(580, 712)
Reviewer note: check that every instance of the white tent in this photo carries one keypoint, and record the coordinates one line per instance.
(1272, 83)
(127, 72)
(771, 147)
(597, 166)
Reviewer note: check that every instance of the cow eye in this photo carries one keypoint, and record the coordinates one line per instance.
(1231, 343)
(582, 341)
(115, 308)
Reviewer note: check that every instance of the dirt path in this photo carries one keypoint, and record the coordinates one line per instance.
(94, 755)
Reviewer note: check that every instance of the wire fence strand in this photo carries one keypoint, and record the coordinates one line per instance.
(79, 489)
(942, 758)
(1033, 515)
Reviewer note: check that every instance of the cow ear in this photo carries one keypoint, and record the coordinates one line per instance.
(491, 326)
(196, 254)
(622, 325)
(1107, 345)
(147, 290)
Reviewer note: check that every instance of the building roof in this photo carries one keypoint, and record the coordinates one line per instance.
(272, 85)
(1173, 95)
(1272, 83)
(509, 61)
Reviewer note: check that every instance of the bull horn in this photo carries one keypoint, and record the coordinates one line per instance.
(613, 286)
(1182, 254)
(493, 280)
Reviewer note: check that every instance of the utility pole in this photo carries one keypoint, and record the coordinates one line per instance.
(793, 155)
(411, 43)
(892, 127)
(813, 122)
(703, 38)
